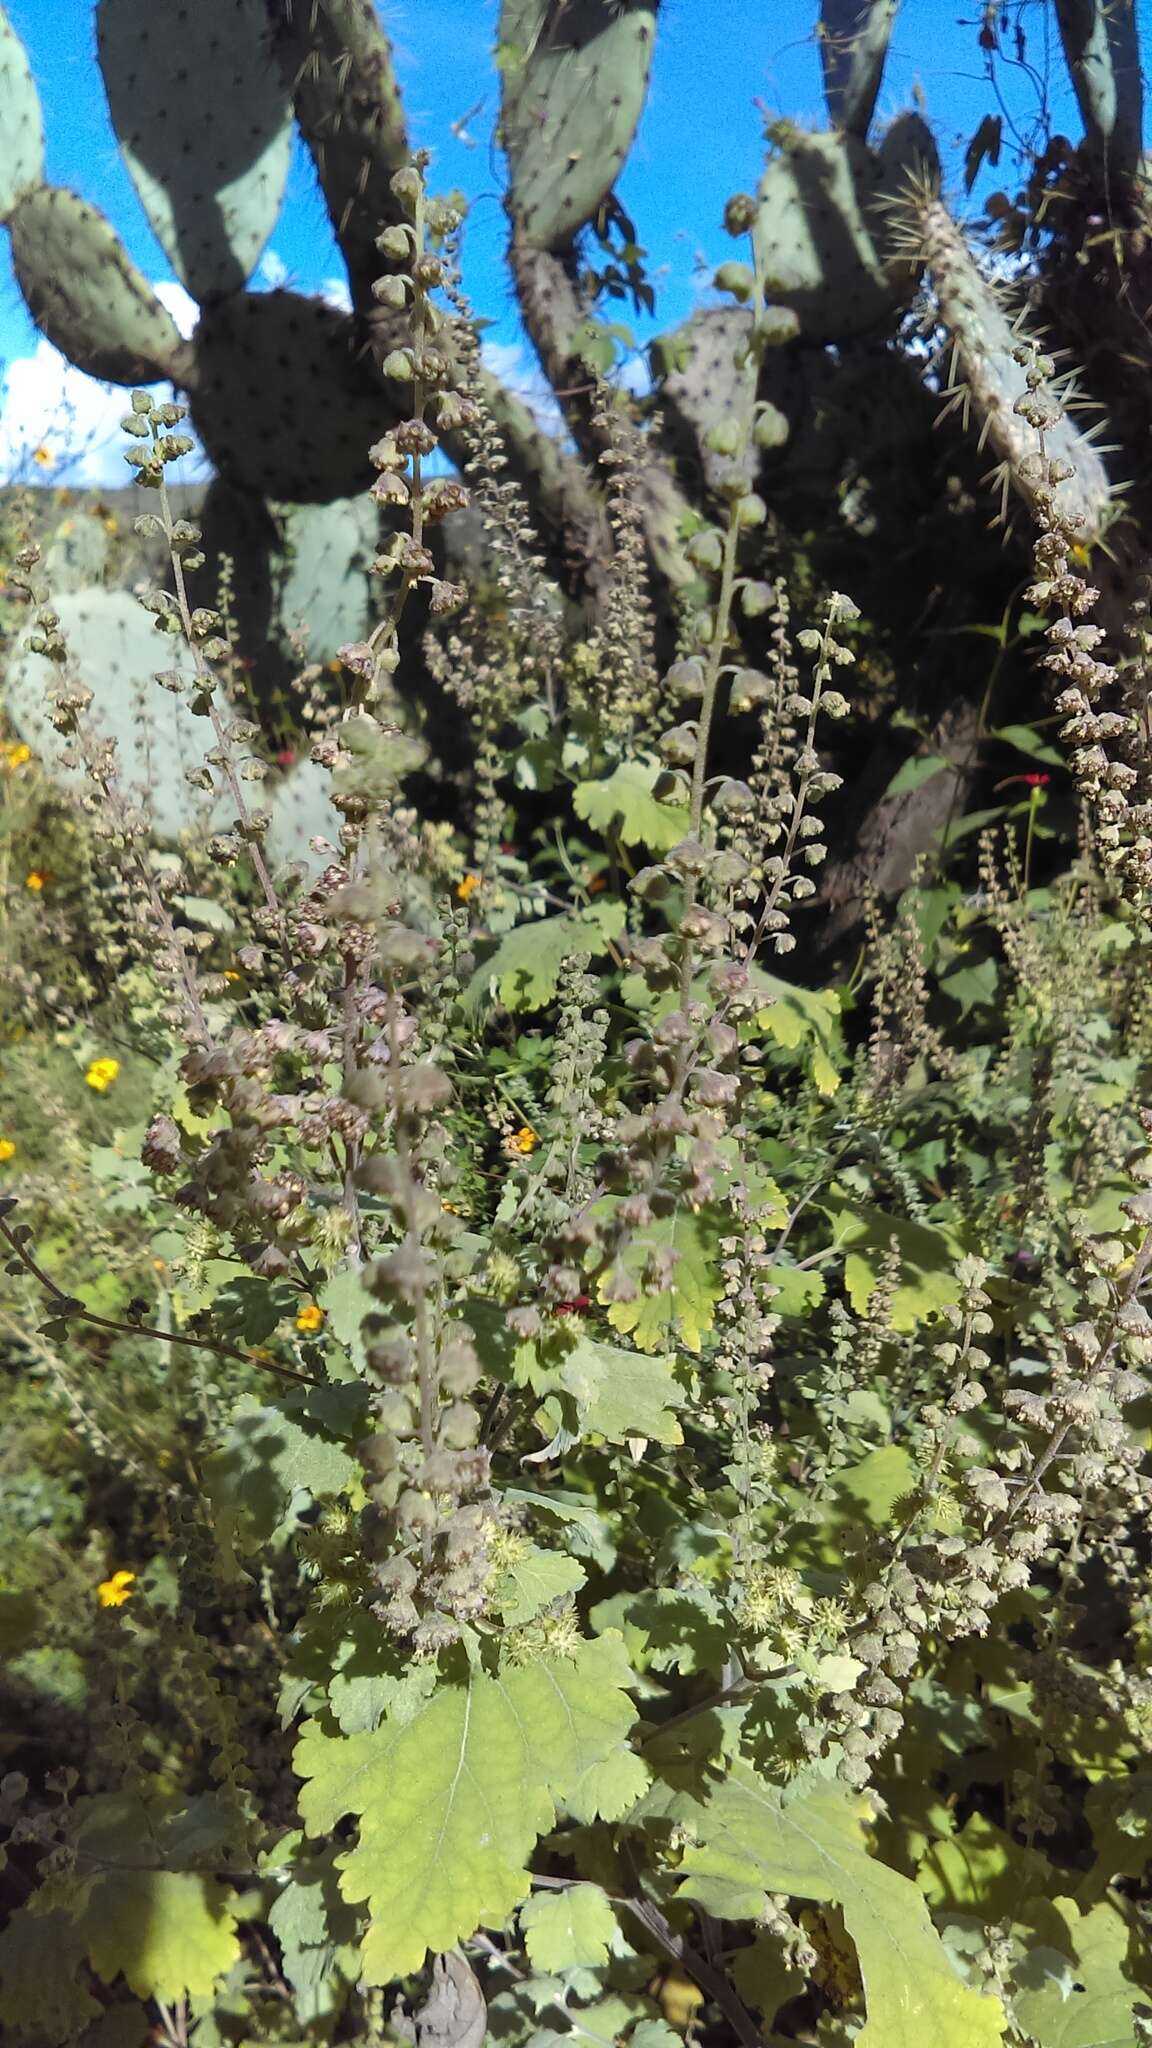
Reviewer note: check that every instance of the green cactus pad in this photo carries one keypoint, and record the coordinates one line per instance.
(293, 566)
(704, 385)
(301, 810)
(574, 79)
(205, 126)
(1102, 49)
(77, 553)
(85, 293)
(284, 403)
(854, 37)
(984, 340)
(21, 122)
(337, 63)
(320, 578)
(118, 652)
(821, 235)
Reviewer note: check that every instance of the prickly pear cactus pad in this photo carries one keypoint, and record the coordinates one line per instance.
(301, 810)
(118, 653)
(282, 401)
(77, 554)
(574, 77)
(85, 293)
(709, 383)
(205, 126)
(21, 123)
(821, 232)
(320, 578)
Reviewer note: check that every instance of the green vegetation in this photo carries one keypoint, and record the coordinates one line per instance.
(575, 1339)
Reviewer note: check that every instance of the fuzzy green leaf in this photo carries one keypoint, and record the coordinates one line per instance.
(317, 1933)
(683, 1311)
(453, 1802)
(532, 1581)
(168, 1932)
(622, 1394)
(928, 1260)
(569, 1929)
(808, 1840)
(1096, 2010)
(624, 802)
(37, 2002)
(525, 967)
(270, 1455)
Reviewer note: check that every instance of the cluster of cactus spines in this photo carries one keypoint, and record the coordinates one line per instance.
(119, 653)
(989, 382)
(854, 37)
(574, 75)
(1102, 52)
(21, 122)
(205, 129)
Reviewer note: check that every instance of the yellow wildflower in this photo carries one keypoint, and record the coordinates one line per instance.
(310, 1318)
(35, 880)
(15, 753)
(110, 523)
(115, 1591)
(467, 887)
(7, 1149)
(523, 1141)
(43, 457)
(101, 1074)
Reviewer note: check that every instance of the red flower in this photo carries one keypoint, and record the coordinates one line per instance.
(1036, 781)
(575, 1307)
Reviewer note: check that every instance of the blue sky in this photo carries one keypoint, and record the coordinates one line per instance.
(720, 67)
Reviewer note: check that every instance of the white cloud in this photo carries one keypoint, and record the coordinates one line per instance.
(48, 405)
(271, 271)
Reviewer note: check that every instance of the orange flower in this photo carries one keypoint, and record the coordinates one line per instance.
(523, 1141)
(43, 457)
(310, 1319)
(467, 887)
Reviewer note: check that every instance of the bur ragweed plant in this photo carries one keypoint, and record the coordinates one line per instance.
(646, 1428)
